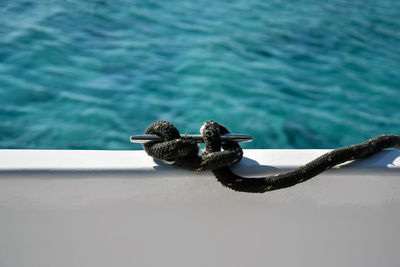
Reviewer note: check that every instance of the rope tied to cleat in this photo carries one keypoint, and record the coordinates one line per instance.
(183, 151)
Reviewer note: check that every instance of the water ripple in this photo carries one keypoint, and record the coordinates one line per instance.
(87, 74)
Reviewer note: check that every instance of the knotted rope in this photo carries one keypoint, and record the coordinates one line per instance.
(184, 152)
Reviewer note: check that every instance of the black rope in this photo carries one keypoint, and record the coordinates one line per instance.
(184, 153)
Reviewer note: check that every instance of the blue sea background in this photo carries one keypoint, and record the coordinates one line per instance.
(294, 74)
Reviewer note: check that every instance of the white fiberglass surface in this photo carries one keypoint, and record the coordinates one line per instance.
(120, 208)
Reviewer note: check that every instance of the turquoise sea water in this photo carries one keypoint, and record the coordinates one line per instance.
(294, 74)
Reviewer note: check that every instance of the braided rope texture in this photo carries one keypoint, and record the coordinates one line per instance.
(184, 153)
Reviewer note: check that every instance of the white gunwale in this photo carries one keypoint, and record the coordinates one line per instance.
(255, 161)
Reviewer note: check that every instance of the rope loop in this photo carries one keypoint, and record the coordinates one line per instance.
(184, 152)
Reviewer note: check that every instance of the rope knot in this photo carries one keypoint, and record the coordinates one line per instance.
(185, 152)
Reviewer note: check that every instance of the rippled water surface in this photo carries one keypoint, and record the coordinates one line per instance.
(294, 74)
